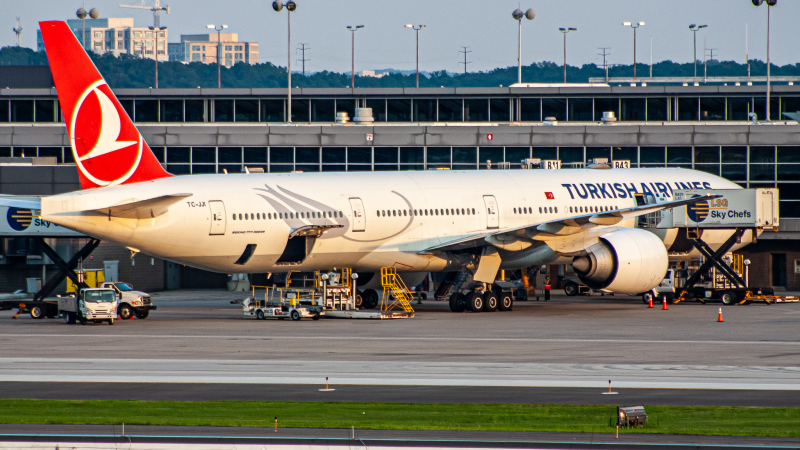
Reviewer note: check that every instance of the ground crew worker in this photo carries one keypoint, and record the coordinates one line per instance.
(547, 289)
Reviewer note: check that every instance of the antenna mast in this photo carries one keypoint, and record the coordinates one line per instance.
(18, 31)
(156, 8)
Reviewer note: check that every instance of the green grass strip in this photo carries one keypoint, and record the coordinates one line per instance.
(699, 420)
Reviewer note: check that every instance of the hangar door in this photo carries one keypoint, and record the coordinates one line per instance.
(218, 218)
(359, 218)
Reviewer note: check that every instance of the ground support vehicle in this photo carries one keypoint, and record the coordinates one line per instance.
(574, 286)
(280, 303)
(131, 303)
(720, 277)
(91, 305)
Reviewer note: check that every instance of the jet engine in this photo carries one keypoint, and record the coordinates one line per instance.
(626, 261)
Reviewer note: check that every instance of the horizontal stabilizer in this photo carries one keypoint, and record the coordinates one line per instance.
(143, 209)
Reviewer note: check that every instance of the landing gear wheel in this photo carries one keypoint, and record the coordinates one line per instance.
(295, 315)
(646, 297)
(125, 311)
(359, 299)
(571, 289)
(370, 299)
(143, 315)
(490, 301)
(506, 302)
(475, 301)
(457, 303)
(260, 315)
(728, 298)
(37, 312)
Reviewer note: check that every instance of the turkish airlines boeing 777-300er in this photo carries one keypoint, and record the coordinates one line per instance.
(482, 221)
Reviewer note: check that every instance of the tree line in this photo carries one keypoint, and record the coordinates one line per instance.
(128, 71)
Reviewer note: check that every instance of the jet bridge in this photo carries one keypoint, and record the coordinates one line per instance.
(733, 209)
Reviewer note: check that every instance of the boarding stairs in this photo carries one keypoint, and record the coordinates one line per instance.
(395, 292)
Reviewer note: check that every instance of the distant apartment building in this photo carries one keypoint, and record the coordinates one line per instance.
(118, 36)
(203, 48)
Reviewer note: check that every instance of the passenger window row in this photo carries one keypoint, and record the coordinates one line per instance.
(426, 212)
(591, 209)
(291, 215)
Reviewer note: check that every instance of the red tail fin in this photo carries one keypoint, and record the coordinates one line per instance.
(108, 148)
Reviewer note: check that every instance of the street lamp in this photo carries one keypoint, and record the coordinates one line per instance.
(634, 26)
(81, 13)
(353, 29)
(157, 30)
(769, 3)
(518, 15)
(695, 28)
(219, 51)
(408, 25)
(564, 31)
(277, 6)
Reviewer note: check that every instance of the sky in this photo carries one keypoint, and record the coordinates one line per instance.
(485, 27)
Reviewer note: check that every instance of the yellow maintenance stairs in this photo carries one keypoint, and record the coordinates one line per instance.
(395, 292)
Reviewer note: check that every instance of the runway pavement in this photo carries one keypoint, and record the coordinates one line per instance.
(198, 337)
(397, 393)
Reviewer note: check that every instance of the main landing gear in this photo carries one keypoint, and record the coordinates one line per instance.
(477, 301)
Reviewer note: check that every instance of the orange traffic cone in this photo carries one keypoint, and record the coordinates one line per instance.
(664, 304)
(650, 303)
(719, 317)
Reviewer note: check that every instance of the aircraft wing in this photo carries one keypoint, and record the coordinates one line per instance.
(561, 227)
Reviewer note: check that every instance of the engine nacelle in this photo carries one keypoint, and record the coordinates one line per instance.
(626, 261)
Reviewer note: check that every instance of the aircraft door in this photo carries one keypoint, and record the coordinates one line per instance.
(218, 217)
(359, 217)
(492, 214)
(766, 209)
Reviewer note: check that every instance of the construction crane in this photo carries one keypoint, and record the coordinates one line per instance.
(18, 30)
(156, 8)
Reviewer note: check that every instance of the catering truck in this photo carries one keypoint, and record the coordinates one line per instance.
(91, 305)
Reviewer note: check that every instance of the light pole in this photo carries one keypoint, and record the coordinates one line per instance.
(518, 15)
(408, 25)
(277, 6)
(634, 26)
(219, 51)
(353, 29)
(694, 29)
(564, 31)
(769, 3)
(157, 30)
(82, 14)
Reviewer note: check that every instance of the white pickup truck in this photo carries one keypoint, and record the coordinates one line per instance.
(130, 302)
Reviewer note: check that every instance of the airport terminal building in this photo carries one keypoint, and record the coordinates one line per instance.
(225, 130)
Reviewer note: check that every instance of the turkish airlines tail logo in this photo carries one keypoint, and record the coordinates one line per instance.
(108, 148)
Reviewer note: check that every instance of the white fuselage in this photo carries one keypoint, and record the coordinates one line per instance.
(387, 218)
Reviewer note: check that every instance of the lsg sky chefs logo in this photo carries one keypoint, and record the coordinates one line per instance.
(716, 209)
(19, 219)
